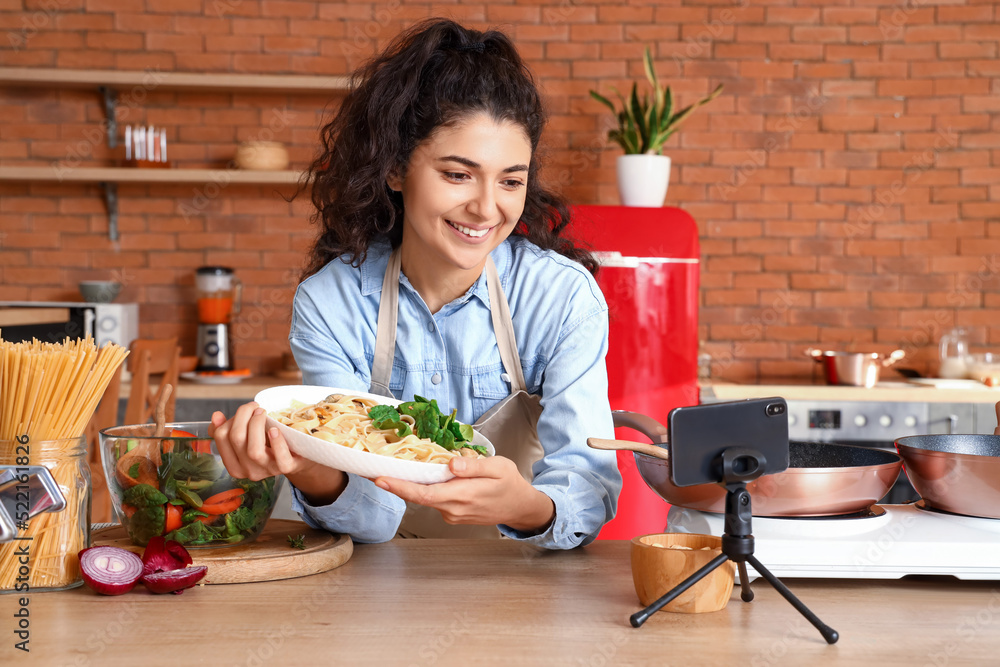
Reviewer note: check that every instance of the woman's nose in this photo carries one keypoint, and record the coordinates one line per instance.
(483, 204)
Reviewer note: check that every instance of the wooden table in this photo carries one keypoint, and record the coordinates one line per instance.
(445, 602)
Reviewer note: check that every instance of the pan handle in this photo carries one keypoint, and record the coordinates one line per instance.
(893, 358)
(648, 426)
(629, 446)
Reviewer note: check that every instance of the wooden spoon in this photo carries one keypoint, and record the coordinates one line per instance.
(628, 445)
(147, 454)
(996, 431)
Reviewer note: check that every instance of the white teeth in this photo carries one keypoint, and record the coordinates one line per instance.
(469, 232)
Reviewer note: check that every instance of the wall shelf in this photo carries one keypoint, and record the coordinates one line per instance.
(156, 80)
(135, 175)
(109, 83)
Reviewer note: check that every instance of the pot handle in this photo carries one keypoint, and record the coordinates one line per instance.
(893, 358)
(815, 353)
(648, 426)
(629, 446)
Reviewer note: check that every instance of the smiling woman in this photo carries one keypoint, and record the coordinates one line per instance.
(441, 270)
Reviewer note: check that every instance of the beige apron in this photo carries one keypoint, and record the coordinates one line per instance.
(511, 424)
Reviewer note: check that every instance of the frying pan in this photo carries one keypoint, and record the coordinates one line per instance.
(955, 473)
(821, 480)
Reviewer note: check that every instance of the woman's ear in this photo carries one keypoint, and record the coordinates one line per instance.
(394, 182)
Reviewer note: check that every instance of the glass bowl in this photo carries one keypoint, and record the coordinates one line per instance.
(984, 367)
(178, 487)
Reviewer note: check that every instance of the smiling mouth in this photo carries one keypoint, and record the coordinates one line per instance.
(474, 233)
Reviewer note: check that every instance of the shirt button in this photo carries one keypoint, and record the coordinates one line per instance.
(436, 378)
(430, 327)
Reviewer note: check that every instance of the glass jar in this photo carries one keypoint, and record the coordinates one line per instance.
(43, 555)
(953, 353)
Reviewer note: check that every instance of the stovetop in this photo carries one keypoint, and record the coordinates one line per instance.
(899, 541)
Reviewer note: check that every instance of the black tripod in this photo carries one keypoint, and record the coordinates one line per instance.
(737, 545)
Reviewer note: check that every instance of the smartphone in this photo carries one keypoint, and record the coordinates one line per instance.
(699, 434)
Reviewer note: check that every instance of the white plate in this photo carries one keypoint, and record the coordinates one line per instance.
(343, 458)
(949, 383)
(211, 378)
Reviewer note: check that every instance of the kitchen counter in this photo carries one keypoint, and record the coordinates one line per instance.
(886, 391)
(449, 602)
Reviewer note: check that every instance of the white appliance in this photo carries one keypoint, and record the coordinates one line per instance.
(890, 542)
(105, 322)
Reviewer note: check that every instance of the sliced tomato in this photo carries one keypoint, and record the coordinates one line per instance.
(178, 433)
(173, 519)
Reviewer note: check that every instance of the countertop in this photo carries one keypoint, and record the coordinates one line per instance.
(885, 391)
(486, 602)
(787, 388)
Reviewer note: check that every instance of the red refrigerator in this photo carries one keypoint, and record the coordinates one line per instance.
(649, 276)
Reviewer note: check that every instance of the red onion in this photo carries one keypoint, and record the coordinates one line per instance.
(164, 555)
(174, 581)
(110, 570)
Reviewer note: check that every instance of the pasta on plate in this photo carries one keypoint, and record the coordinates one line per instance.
(344, 420)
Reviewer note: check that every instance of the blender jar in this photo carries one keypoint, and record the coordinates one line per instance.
(219, 294)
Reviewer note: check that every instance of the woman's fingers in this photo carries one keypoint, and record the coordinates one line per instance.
(283, 458)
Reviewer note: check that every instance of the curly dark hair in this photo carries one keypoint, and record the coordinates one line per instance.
(434, 74)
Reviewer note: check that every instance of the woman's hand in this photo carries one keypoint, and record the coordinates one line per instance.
(250, 451)
(484, 492)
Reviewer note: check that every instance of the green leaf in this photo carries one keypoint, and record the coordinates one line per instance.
(144, 495)
(603, 100)
(383, 413)
(446, 439)
(133, 470)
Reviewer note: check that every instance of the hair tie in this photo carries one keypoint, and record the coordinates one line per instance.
(478, 47)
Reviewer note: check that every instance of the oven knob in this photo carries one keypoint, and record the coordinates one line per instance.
(860, 420)
(910, 421)
(885, 421)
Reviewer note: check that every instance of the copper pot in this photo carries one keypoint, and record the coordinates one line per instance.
(856, 369)
(822, 479)
(955, 473)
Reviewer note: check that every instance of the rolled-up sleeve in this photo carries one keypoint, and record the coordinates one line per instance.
(583, 483)
(363, 511)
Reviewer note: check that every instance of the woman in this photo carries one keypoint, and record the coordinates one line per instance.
(440, 271)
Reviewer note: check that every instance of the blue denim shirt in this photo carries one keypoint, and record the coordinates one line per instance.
(561, 325)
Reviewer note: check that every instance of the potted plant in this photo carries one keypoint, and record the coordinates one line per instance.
(644, 125)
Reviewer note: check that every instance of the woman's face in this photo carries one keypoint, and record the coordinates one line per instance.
(463, 192)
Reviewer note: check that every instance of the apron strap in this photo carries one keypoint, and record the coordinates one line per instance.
(385, 332)
(388, 311)
(503, 327)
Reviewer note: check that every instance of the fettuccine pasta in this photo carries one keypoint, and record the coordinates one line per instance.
(344, 420)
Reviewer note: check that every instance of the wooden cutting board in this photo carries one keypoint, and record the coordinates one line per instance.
(267, 558)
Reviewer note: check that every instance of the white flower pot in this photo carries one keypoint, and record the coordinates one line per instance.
(643, 179)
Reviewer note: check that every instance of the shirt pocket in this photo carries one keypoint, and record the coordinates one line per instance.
(488, 389)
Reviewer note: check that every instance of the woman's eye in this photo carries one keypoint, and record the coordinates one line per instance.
(513, 183)
(455, 176)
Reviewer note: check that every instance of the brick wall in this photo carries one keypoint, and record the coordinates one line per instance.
(846, 184)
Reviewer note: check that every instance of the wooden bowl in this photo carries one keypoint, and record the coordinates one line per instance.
(657, 568)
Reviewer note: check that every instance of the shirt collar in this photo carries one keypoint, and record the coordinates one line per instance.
(377, 259)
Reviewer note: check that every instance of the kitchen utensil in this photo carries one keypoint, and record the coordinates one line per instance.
(953, 348)
(984, 367)
(856, 369)
(336, 456)
(99, 291)
(25, 492)
(628, 445)
(955, 473)
(261, 156)
(268, 558)
(658, 568)
(220, 296)
(822, 479)
(189, 475)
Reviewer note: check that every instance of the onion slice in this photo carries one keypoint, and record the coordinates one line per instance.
(174, 581)
(110, 570)
(162, 555)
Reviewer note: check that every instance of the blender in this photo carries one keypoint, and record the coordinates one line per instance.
(219, 295)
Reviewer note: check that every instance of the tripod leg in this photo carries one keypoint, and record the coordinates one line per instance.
(829, 634)
(640, 617)
(745, 591)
